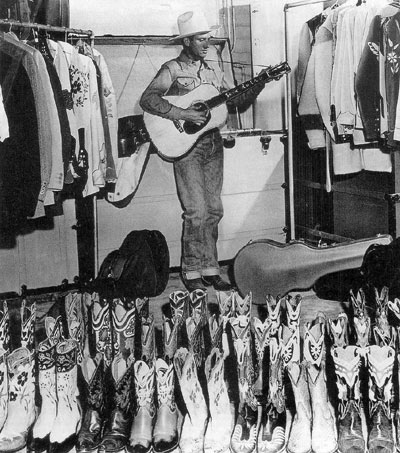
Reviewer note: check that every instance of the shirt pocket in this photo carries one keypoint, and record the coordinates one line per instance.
(185, 84)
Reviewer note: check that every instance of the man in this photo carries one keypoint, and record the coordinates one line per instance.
(199, 173)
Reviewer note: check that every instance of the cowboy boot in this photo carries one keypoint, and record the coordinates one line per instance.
(219, 429)
(271, 437)
(170, 339)
(338, 329)
(226, 306)
(323, 433)
(361, 321)
(165, 433)
(195, 324)
(394, 307)
(274, 313)
(261, 332)
(91, 431)
(3, 387)
(21, 401)
(242, 306)
(382, 331)
(102, 329)
(299, 436)
(215, 328)
(4, 350)
(179, 305)
(380, 367)
(244, 436)
(28, 318)
(195, 420)
(293, 308)
(124, 327)
(46, 361)
(77, 320)
(148, 339)
(120, 394)
(347, 360)
(68, 414)
(5, 328)
(143, 420)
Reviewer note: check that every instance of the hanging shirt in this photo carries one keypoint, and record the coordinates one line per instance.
(4, 129)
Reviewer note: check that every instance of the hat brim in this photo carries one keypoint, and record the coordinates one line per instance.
(201, 32)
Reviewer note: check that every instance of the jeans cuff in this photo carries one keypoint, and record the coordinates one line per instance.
(191, 275)
(210, 272)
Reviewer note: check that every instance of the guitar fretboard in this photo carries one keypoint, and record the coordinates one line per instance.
(267, 76)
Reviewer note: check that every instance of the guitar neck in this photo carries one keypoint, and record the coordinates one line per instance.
(243, 87)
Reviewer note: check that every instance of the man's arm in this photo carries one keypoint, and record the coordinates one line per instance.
(152, 100)
(243, 101)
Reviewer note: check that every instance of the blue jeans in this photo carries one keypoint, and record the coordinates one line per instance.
(199, 177)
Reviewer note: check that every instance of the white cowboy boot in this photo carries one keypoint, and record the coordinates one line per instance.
(46, 361)
(219, 429)
(347, 362)
(28, 318)
(271, 437)
(68, 414)
(165, 433)
(195, 421)
(21, 402)
(145, 412)
(3, 387)
(380, 386)
(299, 435)
(324, 432)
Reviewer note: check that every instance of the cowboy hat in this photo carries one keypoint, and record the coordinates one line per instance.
(192, 23)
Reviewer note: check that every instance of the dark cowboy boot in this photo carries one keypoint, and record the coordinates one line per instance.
(380, 367)
(4, 350)
(120, 389)
(244, 436)
(347, 361)
(116, 430)
(91, 432)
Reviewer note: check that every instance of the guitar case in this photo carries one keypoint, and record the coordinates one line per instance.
(265, 266)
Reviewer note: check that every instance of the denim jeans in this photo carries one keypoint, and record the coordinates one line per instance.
(199, 177)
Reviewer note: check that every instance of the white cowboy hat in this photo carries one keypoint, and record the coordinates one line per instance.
(193, 23)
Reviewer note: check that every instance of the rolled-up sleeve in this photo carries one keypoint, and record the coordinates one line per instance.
(152, 100)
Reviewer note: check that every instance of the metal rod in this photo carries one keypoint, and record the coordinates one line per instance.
(16, 23)
(289, 127)
(302, 3)
(250, 132)
(96, 236)
(289, 113)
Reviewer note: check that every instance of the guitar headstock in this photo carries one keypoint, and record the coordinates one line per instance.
(277, 71)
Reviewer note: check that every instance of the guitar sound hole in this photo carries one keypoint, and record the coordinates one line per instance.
(192, 128)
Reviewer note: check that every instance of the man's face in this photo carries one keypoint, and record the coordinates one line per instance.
(198, 46)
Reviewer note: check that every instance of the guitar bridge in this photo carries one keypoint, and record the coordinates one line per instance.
(178, 126)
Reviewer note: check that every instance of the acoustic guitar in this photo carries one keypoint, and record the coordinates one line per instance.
(265, 266)
(173, 139)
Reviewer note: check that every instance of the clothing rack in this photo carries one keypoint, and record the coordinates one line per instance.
(289, 112)
(72, 32)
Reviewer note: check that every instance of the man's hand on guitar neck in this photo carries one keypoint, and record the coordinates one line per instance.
(193, 115)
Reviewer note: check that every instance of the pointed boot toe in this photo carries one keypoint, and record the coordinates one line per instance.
(165, 446)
